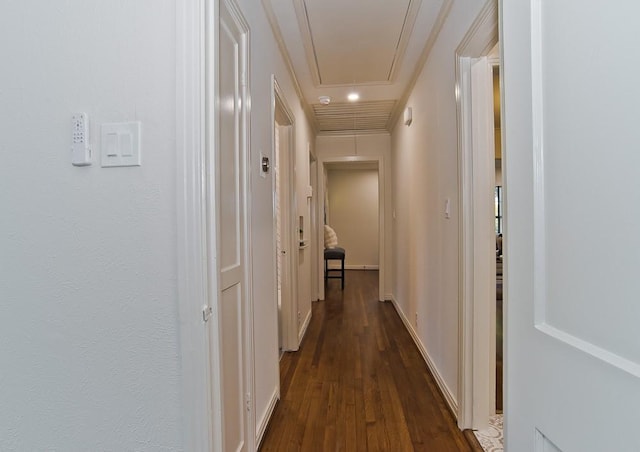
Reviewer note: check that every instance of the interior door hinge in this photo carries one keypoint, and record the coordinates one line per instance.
(207, 312)
(247, 401)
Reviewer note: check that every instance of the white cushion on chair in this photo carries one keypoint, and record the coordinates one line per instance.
(330, 237)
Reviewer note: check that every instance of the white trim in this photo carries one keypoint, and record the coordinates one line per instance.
(612, 359)
(266, 416)
(282, 46)
(379, 159)
(335, 266)
(479, 40)
(359, 267)
(200, 365)
(539, 214)
(444, 389)
(290, 326)
(304, 326)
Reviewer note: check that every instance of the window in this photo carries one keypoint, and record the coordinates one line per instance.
(498, 208)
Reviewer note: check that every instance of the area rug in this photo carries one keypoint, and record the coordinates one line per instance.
(491, 438)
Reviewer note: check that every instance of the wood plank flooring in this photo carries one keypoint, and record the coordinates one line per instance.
(358, 382)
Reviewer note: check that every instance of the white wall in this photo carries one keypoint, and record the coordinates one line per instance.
(424, 162)
(89, 355)
(266, 60)
(331, 148)
(353, 214)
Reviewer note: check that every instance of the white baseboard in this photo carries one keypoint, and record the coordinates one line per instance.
(303, 328)
(448, 395)
(266, 416)
(355, 267)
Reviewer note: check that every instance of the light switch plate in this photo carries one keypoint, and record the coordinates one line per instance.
(120, 144)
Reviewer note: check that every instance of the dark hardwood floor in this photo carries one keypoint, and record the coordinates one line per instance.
(358, 382)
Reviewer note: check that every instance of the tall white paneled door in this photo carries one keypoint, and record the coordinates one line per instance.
(230, 163)
(572, 213)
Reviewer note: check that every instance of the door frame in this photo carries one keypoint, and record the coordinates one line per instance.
(280, 109)
(476, 376)
(322, 161)
(200, 363)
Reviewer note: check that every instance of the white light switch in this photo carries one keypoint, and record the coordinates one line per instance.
(121, 144)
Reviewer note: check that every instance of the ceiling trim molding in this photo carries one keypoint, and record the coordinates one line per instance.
(405, 35)
(486, 22)
(424, 56)
(306, 33)
(307, 40)
(273, 22)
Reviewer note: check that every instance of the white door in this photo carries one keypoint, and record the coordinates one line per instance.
(572, 225)
(231, 176)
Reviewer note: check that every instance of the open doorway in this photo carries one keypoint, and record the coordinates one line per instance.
(498, 208)
(324, 164)
(352, 210)
(285, 221)
(476, 55)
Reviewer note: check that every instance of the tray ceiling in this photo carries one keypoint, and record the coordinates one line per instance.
(373, 47)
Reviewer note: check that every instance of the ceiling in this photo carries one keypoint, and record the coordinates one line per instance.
(373, 47)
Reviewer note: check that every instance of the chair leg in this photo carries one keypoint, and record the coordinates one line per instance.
(342, 269)
(326, 270)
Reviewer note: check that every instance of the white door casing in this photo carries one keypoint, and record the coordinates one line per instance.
(230, 165)
(195, 45)
(572, 218)
(476, 170)
(286, 260)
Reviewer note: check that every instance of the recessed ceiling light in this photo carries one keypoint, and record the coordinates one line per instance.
(353, 97)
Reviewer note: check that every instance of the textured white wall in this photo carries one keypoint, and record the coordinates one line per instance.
(424, 161)
(266, 60)
(353, 206)
(89, 354)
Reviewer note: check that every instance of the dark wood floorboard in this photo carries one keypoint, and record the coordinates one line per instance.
(358, 382)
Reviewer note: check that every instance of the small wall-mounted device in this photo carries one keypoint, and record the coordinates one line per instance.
(265, 165)
(408, 116)
(80, 149)
(121, 144)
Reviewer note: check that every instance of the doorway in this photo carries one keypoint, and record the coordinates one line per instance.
(324, 163)
(352, 210)
(475, 56)
(499, 227)
(286, 261)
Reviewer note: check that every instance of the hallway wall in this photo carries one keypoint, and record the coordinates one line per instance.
(353, 214)
(425, 175)
(89, 311)
(89, 351)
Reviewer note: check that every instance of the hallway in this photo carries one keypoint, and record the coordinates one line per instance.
(358, 382)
